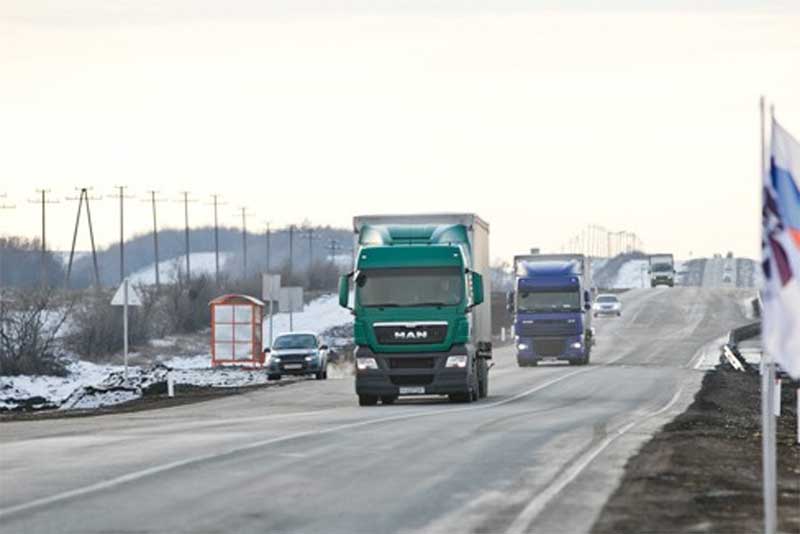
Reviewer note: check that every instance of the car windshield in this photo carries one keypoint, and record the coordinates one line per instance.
(434, 286)
(549, 301)
(662, 267)
(607, 299)
(298, 341)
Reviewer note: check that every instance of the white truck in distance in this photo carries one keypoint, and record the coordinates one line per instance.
(662, 270)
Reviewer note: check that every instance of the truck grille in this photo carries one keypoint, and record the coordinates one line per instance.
(549, 347)
(401, 334)
(412, 380)
(548, 327)
(411, 363)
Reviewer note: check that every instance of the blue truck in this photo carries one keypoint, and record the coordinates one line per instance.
(551, 303)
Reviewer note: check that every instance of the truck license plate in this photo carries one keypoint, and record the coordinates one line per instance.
(293, 366)
(412, 390)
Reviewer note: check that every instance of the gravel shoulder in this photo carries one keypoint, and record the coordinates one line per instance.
(702, 471)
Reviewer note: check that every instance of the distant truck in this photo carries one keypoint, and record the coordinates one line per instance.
(417, 293)
(552, 303)
(662, 270)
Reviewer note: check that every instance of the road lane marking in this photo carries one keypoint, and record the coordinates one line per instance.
(535, 507)
(158, 469)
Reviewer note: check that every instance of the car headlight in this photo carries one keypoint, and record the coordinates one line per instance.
(366, 363)
(275, 359)
(522, 346)
(456, 361)
(310, 358)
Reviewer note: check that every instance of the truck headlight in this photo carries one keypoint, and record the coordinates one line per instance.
(456, 361)
(366, 363)
(522, 346)
(275, 359)
(310, 358)
(577, 345)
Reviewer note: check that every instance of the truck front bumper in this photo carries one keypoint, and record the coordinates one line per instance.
(421, 373)
(534, 350)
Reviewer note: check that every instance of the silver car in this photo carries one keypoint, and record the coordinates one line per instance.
(298, 353)
(607, 304)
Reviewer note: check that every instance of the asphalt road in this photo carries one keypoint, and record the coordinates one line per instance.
(541, 454)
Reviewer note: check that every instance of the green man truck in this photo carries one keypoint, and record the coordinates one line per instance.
(417, 293)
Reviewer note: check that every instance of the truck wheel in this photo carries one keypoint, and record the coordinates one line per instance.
(483, 379)
(388, 399)
(273, 377)
(367, 400)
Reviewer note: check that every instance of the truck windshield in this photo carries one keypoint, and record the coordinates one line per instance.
(407, 287)
(549, 301)
(662, 267)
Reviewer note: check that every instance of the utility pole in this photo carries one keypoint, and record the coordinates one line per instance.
(186, 232)
(310, 254)
(244, 242)
(2, 260)
(122, 197)
(291, 251)
(43, 259)
(153, 201)
(83, 197)
(334, 244)
(216, 203)
(268, 238)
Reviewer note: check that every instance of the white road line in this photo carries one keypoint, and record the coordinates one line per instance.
(535, 507)
(138, 475)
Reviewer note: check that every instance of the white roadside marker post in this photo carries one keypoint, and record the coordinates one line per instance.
(125, 296)
(776, 402)
(125, 325)
(170, 384)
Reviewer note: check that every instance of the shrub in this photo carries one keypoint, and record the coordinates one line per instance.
(29, 330)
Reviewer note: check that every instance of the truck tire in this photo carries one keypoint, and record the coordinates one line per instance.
(273, 377)
(388, 399)
(367, 400)
(483, 379)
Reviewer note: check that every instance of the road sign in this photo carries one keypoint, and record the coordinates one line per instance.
(270, 287)
(290, 299)
(133, 296)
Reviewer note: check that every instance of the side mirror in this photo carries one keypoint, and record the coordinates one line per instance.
(477, 288)
(323, 347)
(344, 290)
(267, 350)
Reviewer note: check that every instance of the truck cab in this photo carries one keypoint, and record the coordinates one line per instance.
(662, 270)
(552, 302)
(417, 292)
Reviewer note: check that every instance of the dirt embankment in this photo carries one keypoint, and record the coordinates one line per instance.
(702, 472)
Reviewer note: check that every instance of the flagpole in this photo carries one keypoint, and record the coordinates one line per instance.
(767, 391)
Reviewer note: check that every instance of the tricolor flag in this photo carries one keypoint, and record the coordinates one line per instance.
(781, 250)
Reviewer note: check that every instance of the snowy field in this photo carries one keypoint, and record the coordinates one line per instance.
(90, 385)
(202, 263)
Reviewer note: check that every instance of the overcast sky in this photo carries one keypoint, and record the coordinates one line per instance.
(541, 119)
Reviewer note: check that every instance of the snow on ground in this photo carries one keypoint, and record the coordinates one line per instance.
(89, 385)
(632, 274)
(201, 263)
(318, 316)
